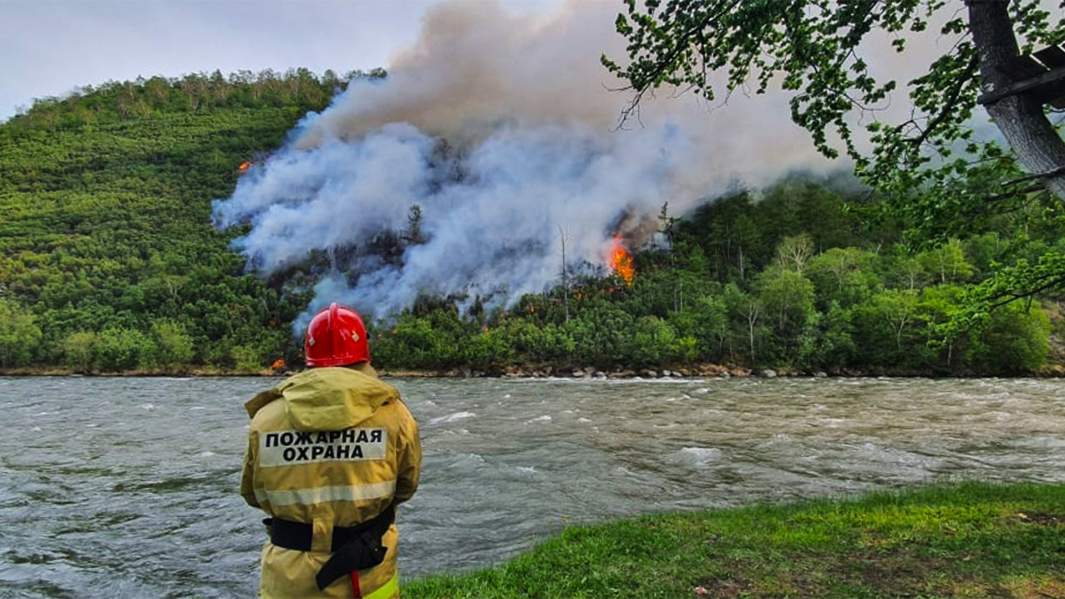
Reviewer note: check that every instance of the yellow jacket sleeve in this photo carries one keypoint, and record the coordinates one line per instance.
(247, 476)
(409, 458)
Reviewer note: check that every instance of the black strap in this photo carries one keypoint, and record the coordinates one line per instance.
(298, 535)
(289, 534)
(354, 547)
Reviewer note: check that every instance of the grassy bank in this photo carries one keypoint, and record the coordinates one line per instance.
(970, 540)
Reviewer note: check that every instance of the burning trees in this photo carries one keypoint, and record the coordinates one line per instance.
(620, 261)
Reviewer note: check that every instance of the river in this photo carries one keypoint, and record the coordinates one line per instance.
(128, 486)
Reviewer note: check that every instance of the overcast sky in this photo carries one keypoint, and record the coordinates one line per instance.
(47, 48)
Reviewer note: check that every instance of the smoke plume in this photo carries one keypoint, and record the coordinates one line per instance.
(501, 129)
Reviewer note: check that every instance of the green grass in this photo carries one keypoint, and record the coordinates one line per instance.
(967, 540)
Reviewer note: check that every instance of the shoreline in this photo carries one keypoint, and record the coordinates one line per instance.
(703, 372)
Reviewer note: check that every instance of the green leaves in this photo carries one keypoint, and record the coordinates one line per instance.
(107, 227)
(792, 280)
(108, 259)
(939, 178)
(19, 335)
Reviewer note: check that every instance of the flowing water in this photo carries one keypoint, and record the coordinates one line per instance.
(128, 487)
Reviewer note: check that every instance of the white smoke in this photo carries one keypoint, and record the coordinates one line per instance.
(529, 116)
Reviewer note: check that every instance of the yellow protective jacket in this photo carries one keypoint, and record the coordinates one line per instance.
(330, 447)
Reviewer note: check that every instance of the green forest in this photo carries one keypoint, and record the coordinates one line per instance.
(109, 263)
(799, 277)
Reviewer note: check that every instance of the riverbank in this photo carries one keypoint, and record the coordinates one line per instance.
(697, 371)
(966, 540)
(722, 371)
(180, 372)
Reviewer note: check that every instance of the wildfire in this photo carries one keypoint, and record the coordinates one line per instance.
(244, 166)
(621, 261)
(279, 364)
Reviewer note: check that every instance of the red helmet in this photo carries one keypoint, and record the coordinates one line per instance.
(336, 337)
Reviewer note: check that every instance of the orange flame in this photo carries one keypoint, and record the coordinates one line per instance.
(621, 261)
(244, 166)
(278, 364)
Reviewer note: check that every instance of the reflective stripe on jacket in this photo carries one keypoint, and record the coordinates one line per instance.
(330, 447)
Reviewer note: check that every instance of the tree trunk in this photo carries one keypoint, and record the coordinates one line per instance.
(1021, 119)
(898, 333)
(565, 276)
(752, 318)
(750, 328)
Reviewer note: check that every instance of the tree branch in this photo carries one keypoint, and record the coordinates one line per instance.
(681, 44)
(1006, 297)
(1051, 173)
(948, 106)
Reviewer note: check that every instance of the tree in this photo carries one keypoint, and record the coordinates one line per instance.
(947, 261)
(1015, 340)
(79, 351)
(747, 310)
(666, 224)
(654, 342)
(834, 346)
(935, 310)
(564, 272)
(843, 275)
(788, 299)
(414, 234)
(985, 250)
(818, 47)
(1020, 117)
(487, 350)
(246, 358)
(936, 174)
(19, 335)
(706, 321)
(794, 252)
(173, 346)
(885, 324)
(666, 228)
(787, 296)
(129, 240)
(906, 272)
(118, 349)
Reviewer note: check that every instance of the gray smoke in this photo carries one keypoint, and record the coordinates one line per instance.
(529, 120)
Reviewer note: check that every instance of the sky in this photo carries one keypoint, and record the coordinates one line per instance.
(48, 48)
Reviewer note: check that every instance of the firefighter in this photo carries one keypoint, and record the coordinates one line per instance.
(331, 452)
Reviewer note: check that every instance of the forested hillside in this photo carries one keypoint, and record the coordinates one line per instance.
(109, 262)
(108, 259)
(800, 276)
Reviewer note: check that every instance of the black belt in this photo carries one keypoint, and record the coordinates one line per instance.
(354, 547)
